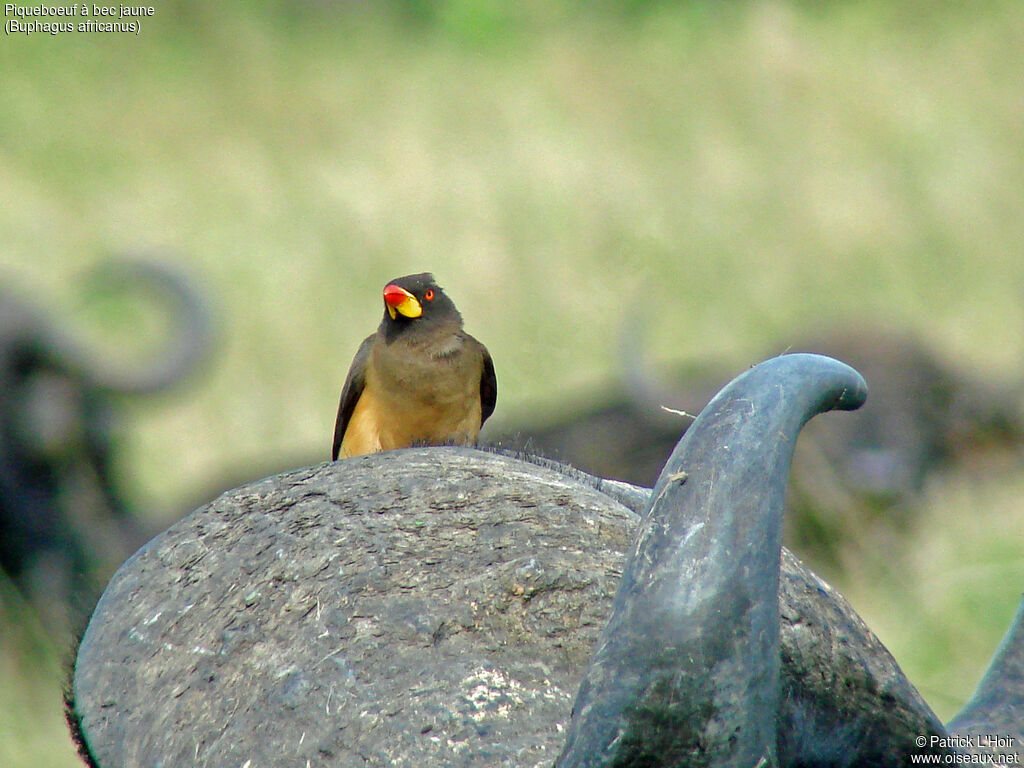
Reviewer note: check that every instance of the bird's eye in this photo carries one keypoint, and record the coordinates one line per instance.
(429, 295)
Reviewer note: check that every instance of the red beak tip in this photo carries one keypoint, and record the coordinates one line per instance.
(393, 295)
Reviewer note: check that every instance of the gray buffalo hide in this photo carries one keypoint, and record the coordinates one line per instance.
(425, 607)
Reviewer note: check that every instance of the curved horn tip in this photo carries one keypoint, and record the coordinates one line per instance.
(845, 384)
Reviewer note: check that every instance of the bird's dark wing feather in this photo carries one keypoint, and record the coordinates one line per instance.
(488, 387)
(350, 393)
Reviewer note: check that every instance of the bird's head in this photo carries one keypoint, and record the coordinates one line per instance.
(417, 301)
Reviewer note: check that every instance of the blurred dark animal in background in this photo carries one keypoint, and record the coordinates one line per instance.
(925, 417)
(849, 475)
(64, 522)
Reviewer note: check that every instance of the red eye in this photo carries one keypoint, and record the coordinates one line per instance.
(429, 295)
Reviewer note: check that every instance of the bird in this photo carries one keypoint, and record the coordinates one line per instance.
(420, 379)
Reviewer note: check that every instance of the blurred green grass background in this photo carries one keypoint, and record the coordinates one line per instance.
(749, 172)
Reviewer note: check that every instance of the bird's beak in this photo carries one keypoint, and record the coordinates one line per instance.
(401, 301)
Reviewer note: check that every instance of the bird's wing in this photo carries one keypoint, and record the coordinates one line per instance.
(354, 383)
(488, 387)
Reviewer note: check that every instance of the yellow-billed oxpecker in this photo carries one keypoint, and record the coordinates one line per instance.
(419, 380)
